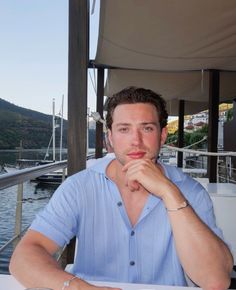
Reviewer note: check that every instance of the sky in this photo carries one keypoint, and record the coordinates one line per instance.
(34, 53)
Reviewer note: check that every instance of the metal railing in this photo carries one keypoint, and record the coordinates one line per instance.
(195, 162)
(18, 178)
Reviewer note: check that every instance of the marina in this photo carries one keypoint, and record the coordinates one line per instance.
(20, 202)
(35, 197)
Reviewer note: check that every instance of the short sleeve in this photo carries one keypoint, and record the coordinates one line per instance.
(59, 219)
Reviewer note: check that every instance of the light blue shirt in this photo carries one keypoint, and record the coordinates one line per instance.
(89, 206)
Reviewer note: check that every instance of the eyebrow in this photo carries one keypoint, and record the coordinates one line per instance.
(150, 123)
(142, 123)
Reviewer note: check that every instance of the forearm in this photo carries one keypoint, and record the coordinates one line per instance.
(34, 267)
(204, 257)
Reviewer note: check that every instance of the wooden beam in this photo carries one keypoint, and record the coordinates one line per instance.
(77, 84)
(77, 92)
(214, 88)
(180, 133)
(99, 126)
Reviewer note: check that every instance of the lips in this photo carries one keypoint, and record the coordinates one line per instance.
(136, 155)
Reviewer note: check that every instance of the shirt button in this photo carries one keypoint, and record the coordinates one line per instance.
(132, 263)
(132, 233)
(119, 203)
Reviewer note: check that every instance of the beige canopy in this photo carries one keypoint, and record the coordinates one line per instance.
(169, 46)
(168, 35)
(192, 87)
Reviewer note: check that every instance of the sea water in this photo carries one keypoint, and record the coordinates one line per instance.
(35, 197)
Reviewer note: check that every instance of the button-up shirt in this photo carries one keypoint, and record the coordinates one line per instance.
(88, 205)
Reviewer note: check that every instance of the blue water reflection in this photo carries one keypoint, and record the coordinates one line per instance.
(35, 197)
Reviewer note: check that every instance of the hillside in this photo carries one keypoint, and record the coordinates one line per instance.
(32, 127)
(7, 106)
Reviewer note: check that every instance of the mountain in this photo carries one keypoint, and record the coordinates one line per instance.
(32, 127)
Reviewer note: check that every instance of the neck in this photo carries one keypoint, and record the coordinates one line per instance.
(133, 201)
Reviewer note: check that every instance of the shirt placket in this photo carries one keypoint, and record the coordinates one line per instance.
(133, 245)
(133, 257)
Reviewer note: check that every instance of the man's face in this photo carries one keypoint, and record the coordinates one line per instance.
(136, 132)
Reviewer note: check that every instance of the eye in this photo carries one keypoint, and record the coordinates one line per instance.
(148, 129)
(123, 130)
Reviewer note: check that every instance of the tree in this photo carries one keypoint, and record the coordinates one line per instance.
(172, 139)
(229, 115)
(190, 138)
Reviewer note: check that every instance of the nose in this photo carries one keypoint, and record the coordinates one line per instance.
(136, 137)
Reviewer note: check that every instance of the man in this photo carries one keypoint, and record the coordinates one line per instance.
(136, 220)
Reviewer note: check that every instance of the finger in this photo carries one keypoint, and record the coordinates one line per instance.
(126, 166)
(133, 185)
(130, 164)
(131, 178)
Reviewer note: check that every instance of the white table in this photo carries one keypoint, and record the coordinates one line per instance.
(226, 189)
(223, 196)
(8, 282)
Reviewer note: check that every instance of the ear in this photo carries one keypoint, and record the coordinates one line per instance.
(164, 133)
(109, 133)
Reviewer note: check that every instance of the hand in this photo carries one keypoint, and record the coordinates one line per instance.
(144, 173)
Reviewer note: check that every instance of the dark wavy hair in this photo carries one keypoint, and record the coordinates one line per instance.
(133, 95)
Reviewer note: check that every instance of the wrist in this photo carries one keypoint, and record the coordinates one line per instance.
(72, 283)
(79, 284)
(182, 205)
(173, 198)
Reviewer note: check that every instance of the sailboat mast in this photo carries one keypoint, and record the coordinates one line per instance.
(53, 132)
(61, 114)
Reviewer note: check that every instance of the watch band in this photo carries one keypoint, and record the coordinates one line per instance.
(184, 204)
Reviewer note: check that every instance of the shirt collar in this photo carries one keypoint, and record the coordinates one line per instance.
(101, 165)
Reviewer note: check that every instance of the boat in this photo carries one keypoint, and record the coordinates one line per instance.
(24, 163)
(56, 177)
(53, 178)
(9, 168)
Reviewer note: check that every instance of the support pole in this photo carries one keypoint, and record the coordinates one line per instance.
(18, 222)
(99, 125)
(180, 133)
(214, 88)
(77, 92)
(77, 84)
